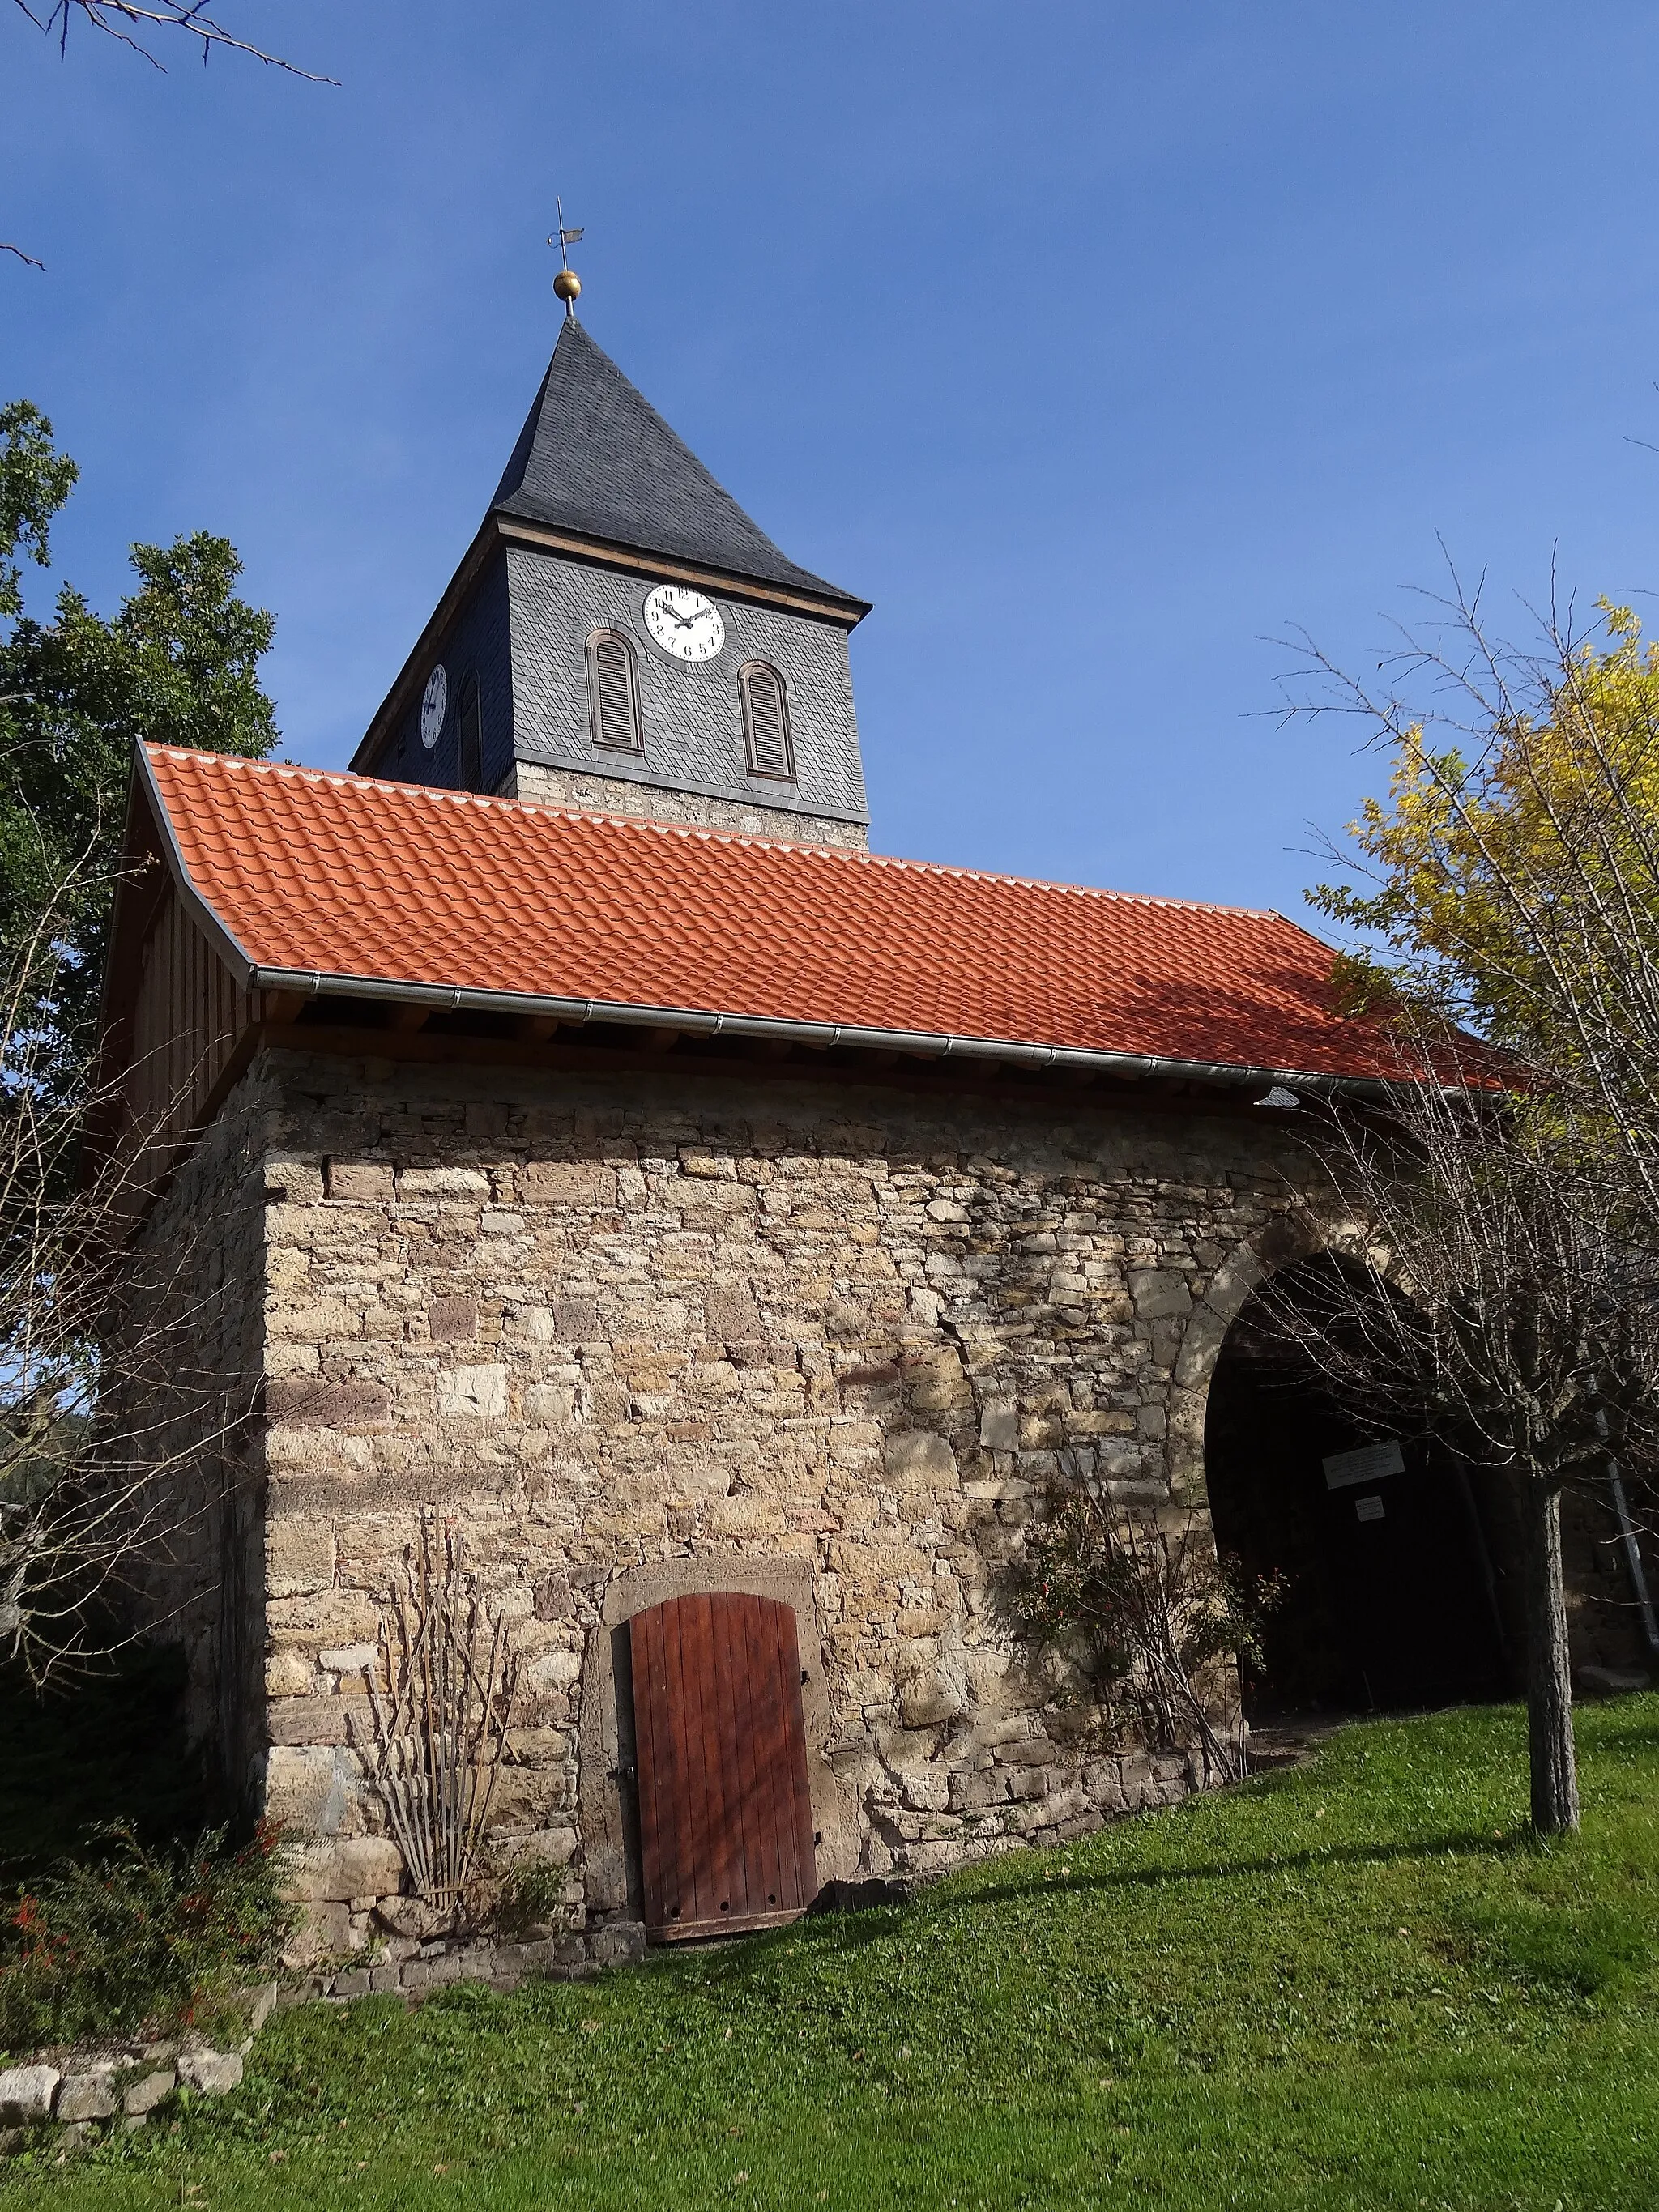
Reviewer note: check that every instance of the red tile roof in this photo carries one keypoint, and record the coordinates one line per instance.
(399, 883)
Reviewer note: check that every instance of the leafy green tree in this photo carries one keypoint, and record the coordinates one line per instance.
(178, 664)
(1509, 882)
(88, 1352)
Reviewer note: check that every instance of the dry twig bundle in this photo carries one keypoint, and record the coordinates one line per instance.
(439, 1728)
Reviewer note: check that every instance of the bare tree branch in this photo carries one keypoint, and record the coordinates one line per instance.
(1494, 1290)
(120, 1429)
(129, 24)
(6, 246)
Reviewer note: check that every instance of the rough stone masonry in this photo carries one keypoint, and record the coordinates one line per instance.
(647, 1332)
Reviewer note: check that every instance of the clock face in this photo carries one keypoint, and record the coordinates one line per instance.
(683, 622)
(434, 704)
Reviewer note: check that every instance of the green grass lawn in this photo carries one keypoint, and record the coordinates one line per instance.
(1356, 1985)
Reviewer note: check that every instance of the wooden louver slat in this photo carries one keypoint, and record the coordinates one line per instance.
(187, 1018)
(616, 711)
(768, 721)
(725, 1807)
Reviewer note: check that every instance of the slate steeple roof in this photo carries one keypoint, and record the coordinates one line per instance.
(595, 458)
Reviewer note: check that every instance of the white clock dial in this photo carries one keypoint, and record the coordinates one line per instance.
(683, 622)
(434, 705)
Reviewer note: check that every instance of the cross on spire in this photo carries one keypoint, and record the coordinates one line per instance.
(567, 285)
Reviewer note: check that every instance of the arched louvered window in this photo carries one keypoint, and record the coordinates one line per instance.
(613, 693)
(766, 721)
(470, 723)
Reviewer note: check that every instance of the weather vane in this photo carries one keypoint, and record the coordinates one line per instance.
(567, 285)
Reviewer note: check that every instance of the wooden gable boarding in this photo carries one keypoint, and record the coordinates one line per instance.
(177, 1018)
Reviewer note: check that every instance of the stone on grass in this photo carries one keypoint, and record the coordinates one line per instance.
(26, 2093)
(211, 2073)
(621, 1944)
(86, 2097)
(1607, 1682)
(412, 1916)
(149, 2090)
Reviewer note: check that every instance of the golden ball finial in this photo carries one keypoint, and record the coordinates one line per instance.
(566, 286)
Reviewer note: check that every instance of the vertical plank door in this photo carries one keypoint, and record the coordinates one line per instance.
(725, 1813)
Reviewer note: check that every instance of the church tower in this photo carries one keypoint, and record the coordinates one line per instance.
(622, 637)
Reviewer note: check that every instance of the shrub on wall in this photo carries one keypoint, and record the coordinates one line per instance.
(1140, 1615)
(130, 1937)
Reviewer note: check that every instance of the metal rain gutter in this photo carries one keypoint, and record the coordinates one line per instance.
(822, 1035)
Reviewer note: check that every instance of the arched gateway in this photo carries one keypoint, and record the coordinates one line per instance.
(1396, 1555)
(1387, 1544)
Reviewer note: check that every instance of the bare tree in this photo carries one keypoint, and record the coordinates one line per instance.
(1491, 1293)
(120, 1418)
(132, 27)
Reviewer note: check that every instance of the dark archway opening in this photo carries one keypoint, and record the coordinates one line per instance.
(1392, 1601)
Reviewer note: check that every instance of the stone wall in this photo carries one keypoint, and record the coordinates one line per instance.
(653, 1332)
(540, 786)
(628, 1329)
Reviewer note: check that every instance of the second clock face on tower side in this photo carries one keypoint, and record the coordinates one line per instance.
(434, 705)
(683, 622)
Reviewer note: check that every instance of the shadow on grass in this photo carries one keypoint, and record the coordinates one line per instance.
(1465, 1842)
(1643, 1735)
(836, 1934)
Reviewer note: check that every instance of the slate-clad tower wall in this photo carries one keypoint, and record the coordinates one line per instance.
(476, 643)
(692, 718)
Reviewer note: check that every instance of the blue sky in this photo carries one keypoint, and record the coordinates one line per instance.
(1097, 344)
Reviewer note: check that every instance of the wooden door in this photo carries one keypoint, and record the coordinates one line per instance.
(725, 1814)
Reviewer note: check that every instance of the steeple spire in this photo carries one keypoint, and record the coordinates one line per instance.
(596, 460)
(620, 636)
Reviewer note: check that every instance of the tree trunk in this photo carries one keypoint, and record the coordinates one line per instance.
(1549, 1677)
